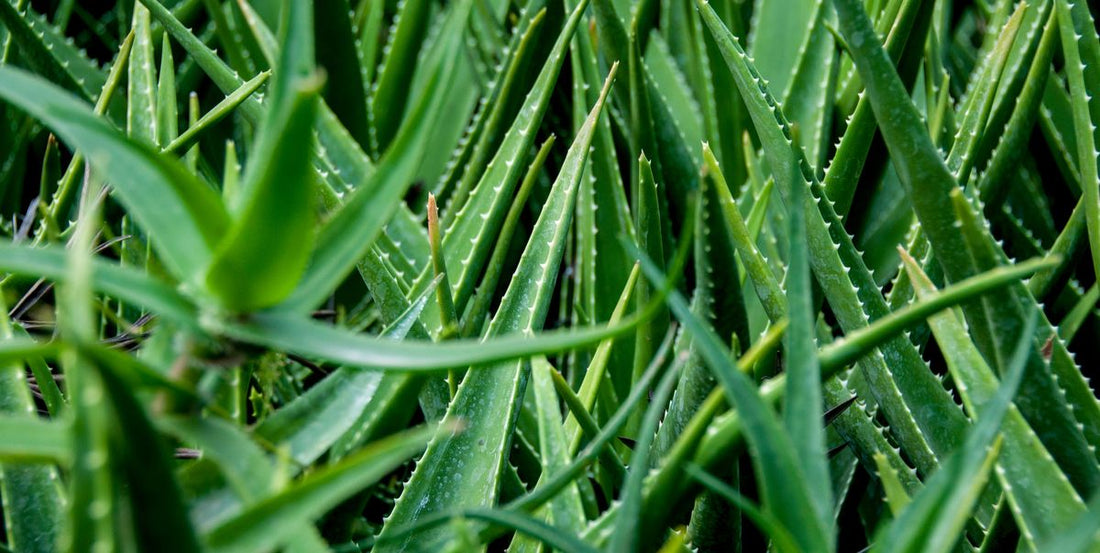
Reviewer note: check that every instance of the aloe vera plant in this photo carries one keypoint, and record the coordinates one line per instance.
(535, 275)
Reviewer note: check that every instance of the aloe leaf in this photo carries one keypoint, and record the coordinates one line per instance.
(387, 102)
(1042, 497)
(345, 94)
(494, 394)
(183, 216)
(779, 35)
(344, 238)
(897, 497)
(49, 54)
(1083, 123)
(337, 159)
(756, 267)
(586, 423)
(603, 214)
(476, 316)
(564, 511)
(486, 130)
(1073, 320)
(1022, 120)
(448, 317)
(921, 526)
(812, 85)
(670, 81)
(140, 455)
(451, 133)
(32, 497)
(109, 278)
(906, 38)
(1060, 402)
(567, 475)
(265, 524)
(223, 109)
(786, 492)
(848, 285)
(26, 441)
(141, 104)
(92, 482)
(347, 401)
(937, 515)
(466, 243)
(781, 538)
(652, 122)
(292, 333)
(665, 486)
(43, 376)
(626, 535)
(275, 205)
(726, 432)
(803, 407)
(648, 223)
(974, 119)
(167, 115)
(534, 528)
(243, 464)
(716, 298)
(1080, 537)
(594, 374)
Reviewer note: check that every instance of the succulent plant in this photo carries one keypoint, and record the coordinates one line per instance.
(578, 275)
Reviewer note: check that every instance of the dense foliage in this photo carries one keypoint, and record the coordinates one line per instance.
(577, 275)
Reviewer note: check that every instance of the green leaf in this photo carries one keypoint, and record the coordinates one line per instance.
(267, 246)
(109, 278)
(626, 534)
(1074, 39)
(938, 514)
(803, 407)
(779, 34)
(183, 216)
(898, 378)
(344, 238)
(552, 537)
(243, 464)
(337, 161)
(387, 102)
(787, 494)
(146, 472)
(141, 104)
(471, 223)
(780, 538)
(223, 109)
(1043, 499)
(30, 440)
(487, 397)
(565, 511)
(48, 53)
(350, 400)
(32, 495)
(167, 115)
(271, 522)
